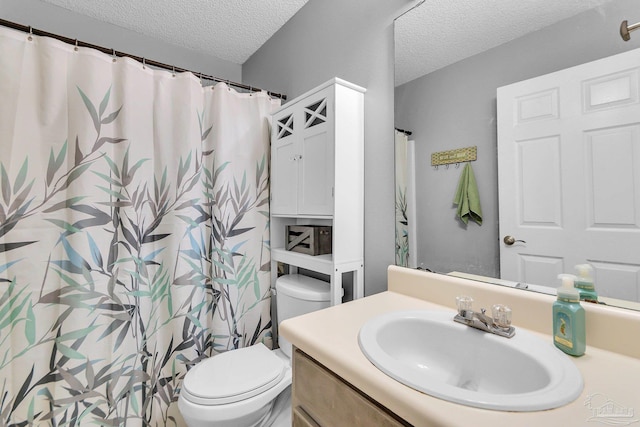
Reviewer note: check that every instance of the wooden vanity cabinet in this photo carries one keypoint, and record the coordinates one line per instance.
(320, 398)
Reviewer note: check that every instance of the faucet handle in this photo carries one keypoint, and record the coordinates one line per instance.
(501, 316)
(464, 303)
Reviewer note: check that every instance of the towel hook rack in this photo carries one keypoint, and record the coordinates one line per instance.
(457, 156)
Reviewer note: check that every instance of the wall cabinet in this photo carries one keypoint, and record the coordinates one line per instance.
(321, 398)
(302, 157)
(317, 178)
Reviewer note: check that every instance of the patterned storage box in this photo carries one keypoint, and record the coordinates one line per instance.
(308, 239)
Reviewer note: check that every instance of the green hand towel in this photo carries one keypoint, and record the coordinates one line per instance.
(467, 197)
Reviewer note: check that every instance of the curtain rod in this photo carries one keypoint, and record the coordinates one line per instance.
(76, 42)
(406, 132)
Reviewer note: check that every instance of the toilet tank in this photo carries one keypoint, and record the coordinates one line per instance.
(296, 295)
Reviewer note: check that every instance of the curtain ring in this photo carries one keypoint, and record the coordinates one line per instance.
(30, 38)
(447, 166)
(200, 78)
(250, 91)
(173, 72)
(457, 165)
(76, 46)
(113, 55)
(144, 63)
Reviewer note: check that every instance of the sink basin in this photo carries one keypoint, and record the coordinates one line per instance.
(428, 351)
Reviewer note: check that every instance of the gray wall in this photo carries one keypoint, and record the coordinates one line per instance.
(456, 107)
(352, 40)
(57, 20)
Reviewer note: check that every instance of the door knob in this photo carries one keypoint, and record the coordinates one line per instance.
(510, 240)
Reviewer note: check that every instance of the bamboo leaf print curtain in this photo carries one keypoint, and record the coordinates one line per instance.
(133, 233)
(402, 221)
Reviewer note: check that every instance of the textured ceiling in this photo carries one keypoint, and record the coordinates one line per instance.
(440, 32)
(431, 36)
(228, 29)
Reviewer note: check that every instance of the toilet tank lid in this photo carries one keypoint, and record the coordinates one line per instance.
(303, 287)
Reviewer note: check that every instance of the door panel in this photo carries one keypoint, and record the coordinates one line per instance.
(611, 198)
(620, 279)
(541, 200)
(539, 268)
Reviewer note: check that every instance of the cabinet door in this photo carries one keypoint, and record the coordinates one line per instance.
(284, 166)
(316, 159)
(300, 418)
(322, 398)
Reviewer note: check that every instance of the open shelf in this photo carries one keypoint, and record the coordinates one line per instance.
(320, 263)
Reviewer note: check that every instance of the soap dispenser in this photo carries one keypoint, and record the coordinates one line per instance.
(584, 283)
(569, 333)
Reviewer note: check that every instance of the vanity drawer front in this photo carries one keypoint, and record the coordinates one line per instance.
(328, 400)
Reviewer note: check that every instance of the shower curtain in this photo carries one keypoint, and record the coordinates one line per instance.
(402, 221)
(134, 233)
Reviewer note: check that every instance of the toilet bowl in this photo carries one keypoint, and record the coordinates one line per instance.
(240, 388)
(236, 388)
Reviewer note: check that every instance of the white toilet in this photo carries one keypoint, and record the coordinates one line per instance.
(251, 386)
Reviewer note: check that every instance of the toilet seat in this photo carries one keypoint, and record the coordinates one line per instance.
(233, 376)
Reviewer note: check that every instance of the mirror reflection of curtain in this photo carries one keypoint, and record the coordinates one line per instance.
(133, 233)
(406, 255)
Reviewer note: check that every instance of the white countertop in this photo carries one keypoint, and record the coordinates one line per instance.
(331, 337)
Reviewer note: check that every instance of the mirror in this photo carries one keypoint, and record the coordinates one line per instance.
(450, 103)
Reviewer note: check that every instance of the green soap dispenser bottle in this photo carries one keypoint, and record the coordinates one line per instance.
(584, 283)
(569, 333)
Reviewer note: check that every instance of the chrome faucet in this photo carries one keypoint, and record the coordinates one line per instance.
(499, 324)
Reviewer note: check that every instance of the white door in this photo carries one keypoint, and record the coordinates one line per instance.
(569, 175)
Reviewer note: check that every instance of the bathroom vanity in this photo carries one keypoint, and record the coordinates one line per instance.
(335, 384)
